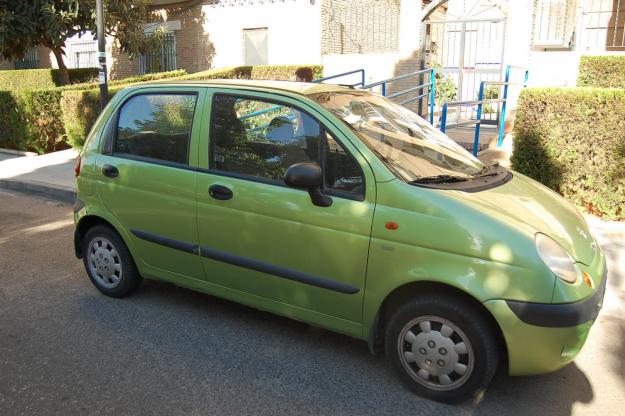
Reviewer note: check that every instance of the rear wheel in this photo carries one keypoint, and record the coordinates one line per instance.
(442, 348)
(108, 262)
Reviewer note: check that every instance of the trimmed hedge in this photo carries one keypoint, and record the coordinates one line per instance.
(602, 71)
(268, 72)
(26, 78)
(33, 79)
(573, 141)
(80, 110)
(31, 120)
(129, 80)
(78, 75)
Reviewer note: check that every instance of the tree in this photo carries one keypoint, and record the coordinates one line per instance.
(49, 23)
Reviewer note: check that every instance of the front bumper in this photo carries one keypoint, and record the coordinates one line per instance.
(545, 337)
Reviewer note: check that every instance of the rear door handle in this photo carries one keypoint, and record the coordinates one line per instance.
(110, 171)
(223, 193)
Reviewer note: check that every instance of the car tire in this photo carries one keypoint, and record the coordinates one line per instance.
(442, 348)
(108, 262)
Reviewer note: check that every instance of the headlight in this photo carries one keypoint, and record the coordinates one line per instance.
(556, 258)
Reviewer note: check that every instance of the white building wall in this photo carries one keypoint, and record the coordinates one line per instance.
(293, 31)
(377, 66)
(561, 67)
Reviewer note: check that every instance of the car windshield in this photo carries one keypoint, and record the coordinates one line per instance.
(406, 143)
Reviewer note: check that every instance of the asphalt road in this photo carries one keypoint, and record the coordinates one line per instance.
(65, 349)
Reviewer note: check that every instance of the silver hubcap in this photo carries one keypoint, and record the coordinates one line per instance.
(435, 353)
(104, 262)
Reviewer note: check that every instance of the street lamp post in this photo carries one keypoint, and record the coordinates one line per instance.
(102, 77)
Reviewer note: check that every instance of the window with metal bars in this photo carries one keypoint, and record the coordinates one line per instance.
(81, 53)
(29, 61)
(603, 25)
(162, 59)
(554, 23)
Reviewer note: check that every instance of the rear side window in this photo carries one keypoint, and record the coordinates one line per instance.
(156, 126)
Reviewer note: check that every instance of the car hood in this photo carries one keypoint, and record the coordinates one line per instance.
(535, 208)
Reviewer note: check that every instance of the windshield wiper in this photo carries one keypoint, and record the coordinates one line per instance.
(439, 179)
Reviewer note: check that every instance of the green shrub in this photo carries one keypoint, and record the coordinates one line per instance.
(268, 72)
(80, 109)
(34, 79)
(26, 78)
(445, 89)
(602, 71)
(31, 120)
(282, 72)
(129, 80)
(150, 77)
(490, 93)
(78, 75)
(573, 141)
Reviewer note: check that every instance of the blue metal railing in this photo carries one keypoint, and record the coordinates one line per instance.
(480, 102)
(430, 85)
(277, 107)
(505, 100)
(261, 112)
(361, 83)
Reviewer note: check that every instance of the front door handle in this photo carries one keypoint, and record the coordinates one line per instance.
(110, 171)
(223, 193)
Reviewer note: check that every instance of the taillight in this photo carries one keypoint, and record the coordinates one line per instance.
(77, 166)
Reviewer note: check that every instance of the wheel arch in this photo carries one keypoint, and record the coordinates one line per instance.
(410, 290)
(85, 224)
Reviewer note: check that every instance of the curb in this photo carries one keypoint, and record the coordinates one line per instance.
(37, 188)
(17, 152)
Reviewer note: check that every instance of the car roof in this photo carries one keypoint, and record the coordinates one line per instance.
(304, 88)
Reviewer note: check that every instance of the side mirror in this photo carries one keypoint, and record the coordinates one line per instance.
(308, 176)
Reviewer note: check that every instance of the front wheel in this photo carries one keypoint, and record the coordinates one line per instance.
(442, 348)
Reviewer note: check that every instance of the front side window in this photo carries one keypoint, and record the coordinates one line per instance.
(262, 139)
(259, 138)
(156, 126)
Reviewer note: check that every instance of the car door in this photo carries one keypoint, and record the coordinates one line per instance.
(147, 175)
(258, 236)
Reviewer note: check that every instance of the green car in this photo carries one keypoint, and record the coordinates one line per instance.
(339, 208)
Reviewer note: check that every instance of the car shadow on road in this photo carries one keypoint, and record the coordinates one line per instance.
(550, 394)
(300, 365)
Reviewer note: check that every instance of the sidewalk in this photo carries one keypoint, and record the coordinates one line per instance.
(50, 175)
